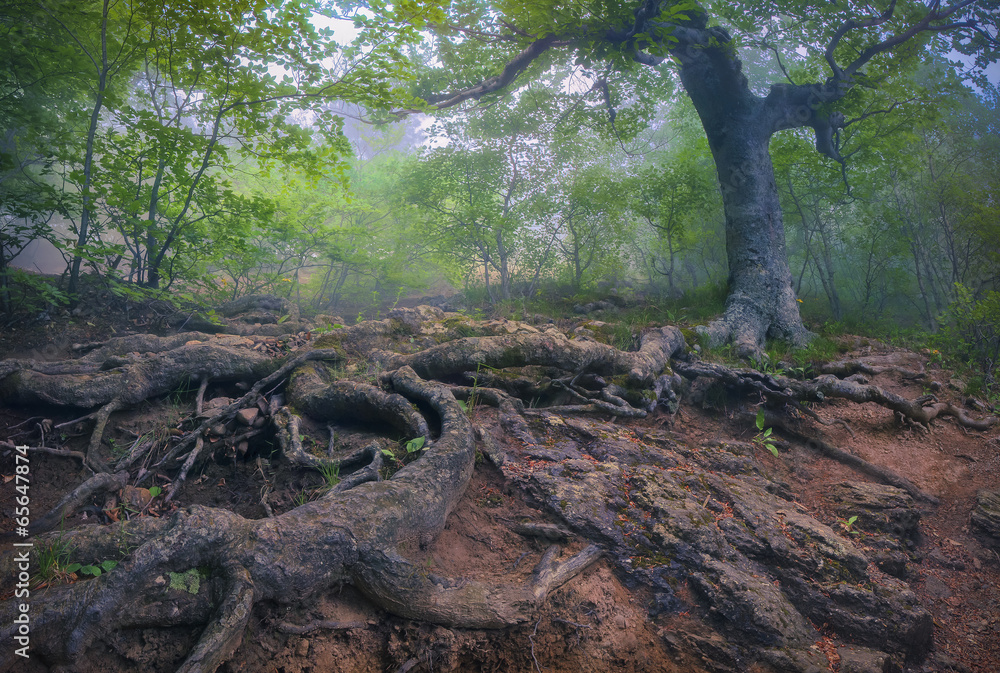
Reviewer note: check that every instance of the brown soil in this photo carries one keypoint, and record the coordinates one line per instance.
(958, 577)
(596, 622)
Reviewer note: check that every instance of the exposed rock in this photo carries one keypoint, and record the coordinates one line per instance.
(593, 306)
(247, 416)
(887, 520)
(880, 508)
(760, 568)
(986, 515)
(863, 660)
(414, 318)
(936, 588)
(937, 557)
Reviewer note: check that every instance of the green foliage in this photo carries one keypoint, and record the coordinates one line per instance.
(94, 570)
(763, 437)
(848, 525)
(331, 474)
(53, 560)
(970, 332)
(183, 391)
(417, 444)
(24, 292)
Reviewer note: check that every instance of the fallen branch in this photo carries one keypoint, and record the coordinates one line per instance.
(883, 474)
(319, 625)
(99, 483)
(64, 453)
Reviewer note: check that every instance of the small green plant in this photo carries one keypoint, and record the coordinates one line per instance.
(765, 365)
(763, 438)
(93, 570)
(302, 498)
(155, 491)
(185, 389)
(52, 561)
(331, 474)
(469, 407)
(416, 444)
(848, 525)
(118, 450)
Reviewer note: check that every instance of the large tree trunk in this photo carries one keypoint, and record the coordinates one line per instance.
(761, 301)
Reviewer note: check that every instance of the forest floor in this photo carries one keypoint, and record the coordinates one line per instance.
(601, 621)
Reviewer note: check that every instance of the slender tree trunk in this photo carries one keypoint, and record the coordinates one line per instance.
(88, 160)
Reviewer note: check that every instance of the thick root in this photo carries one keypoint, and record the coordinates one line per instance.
(313, 392)
(780, 388)
(222, 636)
(344, 536)
(100, 483)
(413, 592)
(134, 375)
(548, 349)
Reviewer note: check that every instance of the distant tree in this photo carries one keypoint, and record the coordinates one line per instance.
(171, 97)
(852, 48)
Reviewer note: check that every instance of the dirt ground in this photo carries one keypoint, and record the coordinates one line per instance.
(597, 622)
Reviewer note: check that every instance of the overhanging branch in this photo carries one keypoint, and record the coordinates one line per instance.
(511, 71)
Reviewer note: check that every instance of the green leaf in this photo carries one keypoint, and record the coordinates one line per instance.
(760, 419)
(773, 449)
(153, 492)
(73, 567)
(415, 445)
(767, 433)
(108, 565)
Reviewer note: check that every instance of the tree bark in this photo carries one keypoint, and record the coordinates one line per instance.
(738, 125)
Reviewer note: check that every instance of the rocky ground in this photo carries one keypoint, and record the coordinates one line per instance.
(717, 555)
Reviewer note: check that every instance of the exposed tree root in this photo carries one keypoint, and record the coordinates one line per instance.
(883, 474)
(195, 438)
(547, 349)
(922, 410)
(45, 449)
(344, 536)
(100, 422)
(844, 368)
(361, 530)
(779, 388)
(315, 393)
(131, 370)
(318, 625)
(199, 400)
(99, 483)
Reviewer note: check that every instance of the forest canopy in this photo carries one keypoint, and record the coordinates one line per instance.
(246, 147)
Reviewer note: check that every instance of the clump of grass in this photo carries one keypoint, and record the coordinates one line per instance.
(331, 474)
(52, 562)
